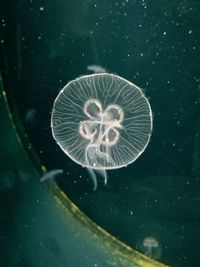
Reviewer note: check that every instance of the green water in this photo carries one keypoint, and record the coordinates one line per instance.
(155, 45)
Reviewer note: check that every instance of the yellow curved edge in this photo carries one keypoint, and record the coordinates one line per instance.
(113, 243)
(67, 205)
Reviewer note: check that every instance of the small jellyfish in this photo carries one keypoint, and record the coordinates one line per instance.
(102, 122)
(30, 117)
(50, 175)
(150, 247)
(96, 68)
(7, 181)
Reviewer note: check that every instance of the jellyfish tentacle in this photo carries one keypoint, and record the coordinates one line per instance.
(103, 173)
(94, 178)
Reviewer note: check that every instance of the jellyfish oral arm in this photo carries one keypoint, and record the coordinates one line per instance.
(101, 172)
(102, 130)
(94, 178)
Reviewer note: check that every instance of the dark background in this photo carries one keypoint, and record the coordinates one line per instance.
(154, 44)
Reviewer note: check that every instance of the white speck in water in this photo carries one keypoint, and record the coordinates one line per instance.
(131, 212)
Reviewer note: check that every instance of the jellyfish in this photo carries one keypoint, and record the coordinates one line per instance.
(50, 175)
(31, 117)
(96, 68)
(102, 122)
(151, 248)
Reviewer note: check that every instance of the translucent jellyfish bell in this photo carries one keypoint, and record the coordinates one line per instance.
(151, 247)
(102, 122)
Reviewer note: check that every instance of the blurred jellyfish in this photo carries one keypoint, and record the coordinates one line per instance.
(102, 122)
(151, 247)
(96, 68)
(30, 117)
(50, 175)
(7, 181)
